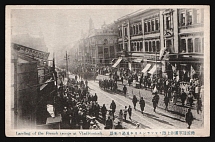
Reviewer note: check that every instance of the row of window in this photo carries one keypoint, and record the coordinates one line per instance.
(192, 45)
(136, 29)
(152, 46)
(191, 16)
(137, 46)
(151, 25)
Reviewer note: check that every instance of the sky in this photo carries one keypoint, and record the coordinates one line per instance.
(61, 27)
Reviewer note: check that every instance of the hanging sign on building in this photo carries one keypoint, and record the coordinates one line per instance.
(31, 52)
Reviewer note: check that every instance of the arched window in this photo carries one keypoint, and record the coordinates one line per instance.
(105, 41)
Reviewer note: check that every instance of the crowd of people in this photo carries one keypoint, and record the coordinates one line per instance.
(78, 108)
(177, 91)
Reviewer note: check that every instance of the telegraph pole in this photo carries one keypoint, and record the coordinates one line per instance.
(66, 58)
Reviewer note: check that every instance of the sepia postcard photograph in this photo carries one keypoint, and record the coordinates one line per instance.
(107, 71)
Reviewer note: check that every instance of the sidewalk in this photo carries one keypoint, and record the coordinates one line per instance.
(178, 111)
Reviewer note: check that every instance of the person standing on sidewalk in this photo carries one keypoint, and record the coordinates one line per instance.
(155, 100)
(125, 90)
(189, 118)
(142, 104)
(122, 79)
(109, 123)
(104, 112)
(166, 102)
(125, 112)
(113, 107)
(120, 116)
(134, 100)
(183, 97)
(129, 111)
(199, 105)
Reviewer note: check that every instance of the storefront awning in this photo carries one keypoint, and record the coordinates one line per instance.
(146, 68)
(153, 70)
(138, 60)
(117, 63)
(45, 84)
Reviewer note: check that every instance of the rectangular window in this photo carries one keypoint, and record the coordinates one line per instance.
(189, 17)
(126, 46)
(125, 31)
(132, 46)
(150, 46)
(153, 24)
(131, 31)
(198, 16)
(190, 45)
(153, 46)
(137, 31)
(138, 46)
(135, 46)
(197, 45)
(145, 27)
(158, 46)
(182, 19)
(156, 24)
(140, 27)
(146, 47)
(141, 46)
(168, 22)
(148, 26)
(182, 46)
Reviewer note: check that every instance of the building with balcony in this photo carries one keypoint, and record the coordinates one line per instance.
(162, 41)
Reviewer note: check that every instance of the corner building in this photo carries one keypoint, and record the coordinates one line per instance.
(143, 34)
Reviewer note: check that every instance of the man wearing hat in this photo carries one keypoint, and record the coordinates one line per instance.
(109, 123)
(189, 118)
(183, 96)
(155, 100)
(118, 126)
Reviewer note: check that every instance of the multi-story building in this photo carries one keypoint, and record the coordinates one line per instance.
(143, 35)
(98, 47)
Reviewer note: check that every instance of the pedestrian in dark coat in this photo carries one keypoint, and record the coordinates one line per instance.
(125, 90)
(129, 111)
(95, 97)
(155, 100)
(122, 79)
(134, 100)
(104, 112)
(199, 105)
(166, 101)
(189, 118)
(113, 107)
(118, 126)
(142, 104)
(109, 123)
(183, 97)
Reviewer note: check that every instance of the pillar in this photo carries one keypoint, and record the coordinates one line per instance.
(175, 27)
(128, 31)
(161, 29)
(193, 44)
(123, 46)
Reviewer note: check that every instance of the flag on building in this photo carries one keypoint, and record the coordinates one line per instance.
(162, 53)
(192, 71)
(155, 89)
(173, 68)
